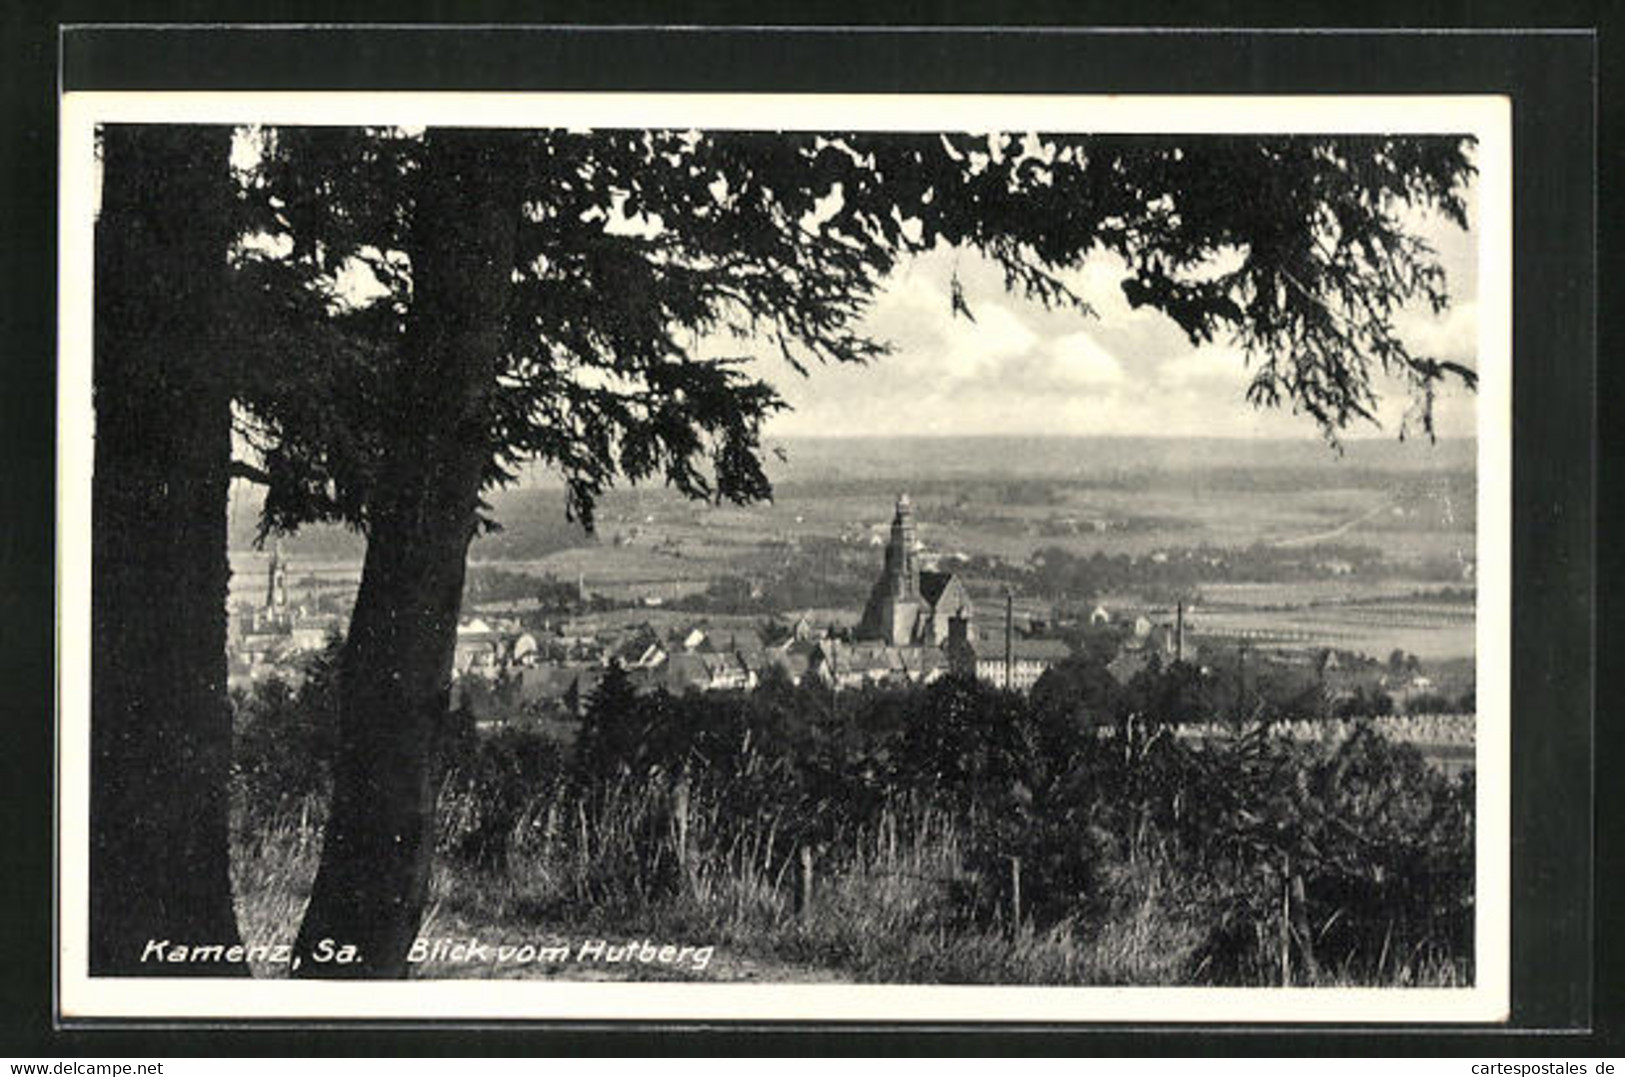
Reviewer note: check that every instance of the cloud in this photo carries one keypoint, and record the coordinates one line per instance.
(1019, 368)
(1452, 335)
(973, 350)
(1211, 366)
(1078, 358)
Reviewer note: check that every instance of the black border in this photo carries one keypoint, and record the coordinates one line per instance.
(1550, 77)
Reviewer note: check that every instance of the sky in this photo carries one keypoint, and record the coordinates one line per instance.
(1019, 369)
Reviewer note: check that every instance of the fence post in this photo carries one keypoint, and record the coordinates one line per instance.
(1300, 929)
(806, 881)
(680, 812)
(1286, 922)
(1015, 894)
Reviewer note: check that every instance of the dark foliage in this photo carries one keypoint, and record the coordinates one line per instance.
(283, 740)
(1359, 856)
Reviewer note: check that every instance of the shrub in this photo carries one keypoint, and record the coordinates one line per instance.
(1143, 857)
(283, 740)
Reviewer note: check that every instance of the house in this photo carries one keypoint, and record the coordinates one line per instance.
(255, 648)
(1015, 663)
(874, 662)
(546, 688)
(794, 664)
(685, 672)
(726, 670)
(478, 651)
(1166, 643)
(723, 640)
(640, 652)
(312, 633)
(704, 671)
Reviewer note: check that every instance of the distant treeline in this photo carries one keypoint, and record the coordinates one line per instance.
(802, 583)
(1053, 491)
(991, 489)
(1088, 459)
(489, 583)
(530, 525)
(1058, 573)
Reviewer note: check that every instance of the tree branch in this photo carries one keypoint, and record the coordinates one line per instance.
(241, 470)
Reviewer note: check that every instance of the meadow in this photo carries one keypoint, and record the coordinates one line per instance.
(953, 834)
(1411, 507)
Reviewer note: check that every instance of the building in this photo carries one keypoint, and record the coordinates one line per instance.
(312, 632)
(273, 616)
(1015, 662)
(276, 580)
(1166, 643)
(875, 662)
(1016, 666)
(911, 606)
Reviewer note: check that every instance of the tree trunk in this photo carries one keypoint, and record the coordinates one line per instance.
(160, 717)
(395, 675)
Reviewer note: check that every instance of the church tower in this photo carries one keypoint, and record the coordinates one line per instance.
(895, 605)
(911, 606)
(276, 583)
(902, 553)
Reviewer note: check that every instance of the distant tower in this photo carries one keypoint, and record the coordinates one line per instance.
(901, 609)
(902, 553)
(895, 605)
(276, 582)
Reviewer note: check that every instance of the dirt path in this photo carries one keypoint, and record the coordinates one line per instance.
(1337, 532)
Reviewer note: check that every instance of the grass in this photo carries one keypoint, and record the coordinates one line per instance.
(273, 864)
(887, 903)
(950, 835)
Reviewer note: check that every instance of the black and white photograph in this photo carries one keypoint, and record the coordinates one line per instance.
(590, 556)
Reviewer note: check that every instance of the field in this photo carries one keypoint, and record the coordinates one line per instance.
(1001, 500)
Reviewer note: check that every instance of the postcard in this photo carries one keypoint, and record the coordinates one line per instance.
(725, 557)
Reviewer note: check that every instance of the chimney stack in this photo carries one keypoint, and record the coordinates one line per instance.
(1179, 633)
(1009, 638)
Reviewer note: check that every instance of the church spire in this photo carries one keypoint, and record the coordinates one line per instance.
(276, 583)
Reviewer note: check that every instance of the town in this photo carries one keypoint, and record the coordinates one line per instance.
(539, 661)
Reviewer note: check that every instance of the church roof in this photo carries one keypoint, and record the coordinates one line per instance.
(932, 584)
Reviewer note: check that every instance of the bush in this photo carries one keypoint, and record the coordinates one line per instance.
(1143, 857)
(283, 741)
